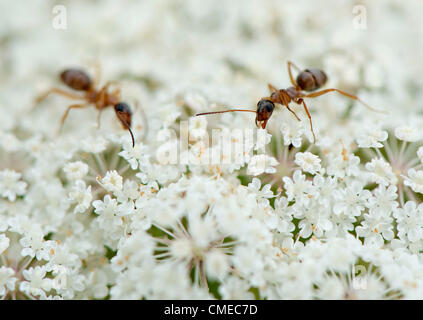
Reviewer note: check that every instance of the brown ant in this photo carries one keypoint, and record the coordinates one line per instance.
(79, 80)
(307, 80)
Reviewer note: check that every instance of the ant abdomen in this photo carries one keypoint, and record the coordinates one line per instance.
(311, 79)
(76, 79)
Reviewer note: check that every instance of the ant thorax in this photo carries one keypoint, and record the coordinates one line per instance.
(284, 96)
(292, 92)
(92, 96)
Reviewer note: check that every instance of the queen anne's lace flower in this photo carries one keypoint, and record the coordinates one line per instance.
(313, 221)
(408, 133)
(36, 284)
(10, 184)
(376, 227)
(7, 281)
(381, 172)
(372, 138)
(81, 195)
(298, 188)
(132, 154)
(108, 213)
(415, 180)
(197, 128)
(261, 163)
(343, 164)
(384, 199)
(420, 154)
(76, 170)
(112, 181)
(94, 145)
(352, 200)
(308, 162)
(264, 193)
(263, 138)
(410, 221)
(292, 133)
(235, 288)
(4, 242)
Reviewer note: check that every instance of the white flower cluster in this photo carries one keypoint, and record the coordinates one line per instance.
(84, 215)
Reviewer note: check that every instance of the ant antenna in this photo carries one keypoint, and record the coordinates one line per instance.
(132, 135)
(144, 116)
(371, 108)
(130, 131)
(127, 126)
(233, 110)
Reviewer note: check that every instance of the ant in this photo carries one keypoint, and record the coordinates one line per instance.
(79, 80)
(307, 80)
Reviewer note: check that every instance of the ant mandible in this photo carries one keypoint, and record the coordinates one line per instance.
(79, 80)
(307, 80)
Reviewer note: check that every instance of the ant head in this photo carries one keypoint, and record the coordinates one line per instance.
(124, 114)
(264, 111)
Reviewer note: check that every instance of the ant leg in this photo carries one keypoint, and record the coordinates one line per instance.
(145, 119)
(272, 88)
(61, 92)
(103, 90)
(93, 63)
(309, 117)
(112, 82)
(98, 118)
(97, 74)
(291, 64)
(103, 97)
(319, 93)
(116, 93)
(292, 111)
(283, 101)
(73, 106)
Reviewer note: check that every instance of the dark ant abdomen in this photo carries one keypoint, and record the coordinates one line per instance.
(311, 79)
(76, 79)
